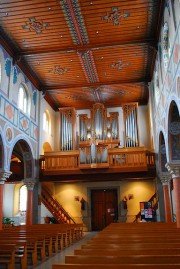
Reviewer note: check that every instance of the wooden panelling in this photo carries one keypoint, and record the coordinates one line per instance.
(83, 52)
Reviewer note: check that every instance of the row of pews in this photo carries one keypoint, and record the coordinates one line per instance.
(24, 245)
(129, 246)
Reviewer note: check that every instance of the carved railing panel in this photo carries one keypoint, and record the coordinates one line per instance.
(127, 158)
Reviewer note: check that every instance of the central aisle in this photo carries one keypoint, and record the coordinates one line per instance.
(59, 258)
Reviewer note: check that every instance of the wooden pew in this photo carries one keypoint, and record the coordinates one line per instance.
(129, 246)
(20, 250)
(121, 252)
(143, 245)
(126, 259)
(41, 240)
(7, 255)
(115, 266)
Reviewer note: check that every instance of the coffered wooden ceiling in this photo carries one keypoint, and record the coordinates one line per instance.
(79, 52)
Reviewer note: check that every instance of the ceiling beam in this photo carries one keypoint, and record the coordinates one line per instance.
(79, 49)
(142, 81)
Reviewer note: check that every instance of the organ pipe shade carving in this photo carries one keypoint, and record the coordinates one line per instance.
(67, 129)
(131, 126)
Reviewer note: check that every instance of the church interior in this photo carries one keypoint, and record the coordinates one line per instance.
(89, 125)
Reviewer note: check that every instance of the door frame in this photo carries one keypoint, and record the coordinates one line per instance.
(89, 189)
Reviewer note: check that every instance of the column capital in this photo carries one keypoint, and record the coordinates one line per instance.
(29, 182)
(4, 175)
(174, 169)
(165, 178)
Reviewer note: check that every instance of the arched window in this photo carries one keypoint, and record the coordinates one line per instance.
(166, 45)
(23, 198)
(23, 99)
(46, 122)
(156, 87)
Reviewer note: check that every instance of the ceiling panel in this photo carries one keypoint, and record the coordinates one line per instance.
(79, 52)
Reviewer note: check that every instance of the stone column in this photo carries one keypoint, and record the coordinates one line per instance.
(29, 212)
(3, 177)
(174, 170)
(165, 180)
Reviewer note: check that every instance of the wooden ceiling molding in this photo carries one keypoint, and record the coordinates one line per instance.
(80, 52)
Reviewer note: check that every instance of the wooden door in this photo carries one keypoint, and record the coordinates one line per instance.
(104, 209)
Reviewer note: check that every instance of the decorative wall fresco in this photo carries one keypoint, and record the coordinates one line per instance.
(8, 111)
(11, 114)
(24, 123)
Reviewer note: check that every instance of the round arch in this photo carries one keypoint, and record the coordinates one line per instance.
(174, 132)
(162, 153)
(46, 147)
(23, 150)
(3, 154)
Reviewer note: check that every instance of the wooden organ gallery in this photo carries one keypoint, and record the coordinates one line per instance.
(97, 143)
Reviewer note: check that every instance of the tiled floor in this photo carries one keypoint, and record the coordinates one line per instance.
(59, 258)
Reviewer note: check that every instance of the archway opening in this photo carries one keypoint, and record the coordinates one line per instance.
(174, 132)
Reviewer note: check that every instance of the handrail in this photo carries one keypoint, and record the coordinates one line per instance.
(56, 209)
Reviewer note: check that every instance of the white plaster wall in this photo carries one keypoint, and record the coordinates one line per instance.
(44, 213)
(8, 200)
(144, 126)
(44, 136)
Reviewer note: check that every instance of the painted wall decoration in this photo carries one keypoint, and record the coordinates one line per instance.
(8, 67)
(9, 134)
(34, 97)
(165, 44)
(8, 111)
(15, 74)
(176, 53)
(24, 123)
(34, 131)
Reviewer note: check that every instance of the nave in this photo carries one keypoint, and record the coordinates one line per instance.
(60, 257)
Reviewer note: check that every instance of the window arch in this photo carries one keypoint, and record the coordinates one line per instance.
(23, 99)
(23, 198)
(166, 45)
(46, 122)
(156, 87)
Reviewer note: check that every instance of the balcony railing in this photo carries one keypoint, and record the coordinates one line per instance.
(60, 160)
(127, 157)
(121, 159)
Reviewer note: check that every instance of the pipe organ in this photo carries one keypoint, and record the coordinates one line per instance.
(130, 125)
(97, 133)
(67, 127)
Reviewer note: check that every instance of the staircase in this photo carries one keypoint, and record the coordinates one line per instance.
(59, 213)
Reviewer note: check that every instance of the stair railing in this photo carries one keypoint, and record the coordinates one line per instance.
(56, 209)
